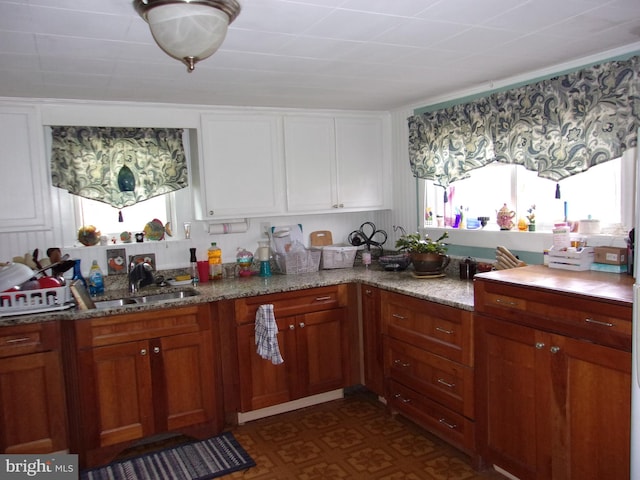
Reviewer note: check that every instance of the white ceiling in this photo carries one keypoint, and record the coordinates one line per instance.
(353, 54)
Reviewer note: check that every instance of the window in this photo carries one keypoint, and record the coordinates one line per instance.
(603, 192)
(106, 218)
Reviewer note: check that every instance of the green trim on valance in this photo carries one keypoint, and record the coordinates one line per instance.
(558, 127)
(86, 162)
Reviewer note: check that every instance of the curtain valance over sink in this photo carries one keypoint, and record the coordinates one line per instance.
(118, 166)
(557, 127)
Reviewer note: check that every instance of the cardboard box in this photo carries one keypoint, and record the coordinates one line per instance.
(610, 255)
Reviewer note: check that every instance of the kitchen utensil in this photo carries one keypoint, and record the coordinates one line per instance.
(368, 235)
(320, 238)
(14, 274)
(36, 253)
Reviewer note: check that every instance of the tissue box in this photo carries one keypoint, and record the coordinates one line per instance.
(610, 255)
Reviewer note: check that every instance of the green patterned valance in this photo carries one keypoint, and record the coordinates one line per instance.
(557, 127)
(86, 161)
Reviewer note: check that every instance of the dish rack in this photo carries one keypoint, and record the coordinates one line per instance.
(35, 301)
(299, 262)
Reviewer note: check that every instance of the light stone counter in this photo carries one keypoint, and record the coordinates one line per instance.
(448, 290)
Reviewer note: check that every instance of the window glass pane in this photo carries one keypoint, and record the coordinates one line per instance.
(596, 193)
(105, 217)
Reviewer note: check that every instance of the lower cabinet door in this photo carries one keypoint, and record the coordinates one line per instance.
(120, 379)
(187, 384)
(32, 406)
(322, 360)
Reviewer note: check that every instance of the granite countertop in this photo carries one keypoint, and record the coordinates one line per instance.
(448, 290)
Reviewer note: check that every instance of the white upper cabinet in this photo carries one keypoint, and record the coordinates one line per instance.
(24, 183)
(335, 163)
(241, 167)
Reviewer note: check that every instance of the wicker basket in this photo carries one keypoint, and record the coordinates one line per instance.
(299, 262)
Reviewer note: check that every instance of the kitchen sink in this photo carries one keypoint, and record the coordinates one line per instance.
(118, 302)
(160, 297)
(145, 299)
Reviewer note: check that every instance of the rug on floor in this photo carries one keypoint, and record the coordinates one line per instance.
(212, 458)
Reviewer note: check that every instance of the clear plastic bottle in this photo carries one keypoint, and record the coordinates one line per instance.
(96, 280)
(214, 255)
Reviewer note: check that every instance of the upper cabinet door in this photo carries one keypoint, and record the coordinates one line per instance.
(335, 163)
(360, 158)
(24, 184)
(310, 159)
(241, 166)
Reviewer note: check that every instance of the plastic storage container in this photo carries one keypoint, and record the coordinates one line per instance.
(337, 256)
(96, 280)
(214, 255)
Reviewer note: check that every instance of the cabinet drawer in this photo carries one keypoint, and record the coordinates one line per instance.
(579, 317)
(292, 303)
(440, 329)
(140, 326)
(30, 338)
(439, 420)
(440, 379)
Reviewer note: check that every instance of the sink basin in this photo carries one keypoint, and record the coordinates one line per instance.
(118, 302)
(159, 297)
(145, 300)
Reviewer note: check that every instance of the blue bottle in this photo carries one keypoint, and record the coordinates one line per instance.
(77, 274)
(96, 281)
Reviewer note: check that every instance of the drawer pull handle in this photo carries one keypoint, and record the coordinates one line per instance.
(506, 302)
(599, 322)
(401, 398)
(402, 364)
(554, 349)
(442, 381)
(368, 292)
(444, 330)
(397, 315)
(156, 349)
(143, 352)
(539, 345)
(323, 299)
(18, 340)
(301, 325)
(444, 422)
(292, 327)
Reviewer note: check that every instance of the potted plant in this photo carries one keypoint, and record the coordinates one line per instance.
(428, 256)
(532, 218)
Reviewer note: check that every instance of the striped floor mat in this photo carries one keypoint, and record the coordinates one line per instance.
(202, 460)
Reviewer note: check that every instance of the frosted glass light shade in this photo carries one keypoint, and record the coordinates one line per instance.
(188, 31)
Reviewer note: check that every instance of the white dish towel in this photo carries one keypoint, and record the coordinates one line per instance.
(266, 332)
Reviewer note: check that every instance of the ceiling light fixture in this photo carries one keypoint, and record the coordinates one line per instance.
(188, 30)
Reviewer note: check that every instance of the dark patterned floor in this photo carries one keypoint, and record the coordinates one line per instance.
(352, 438)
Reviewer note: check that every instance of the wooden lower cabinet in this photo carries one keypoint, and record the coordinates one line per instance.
(142, 374)
(32, 402)
(372, 339)
(317, 338)
(551, 406)
(428, 366)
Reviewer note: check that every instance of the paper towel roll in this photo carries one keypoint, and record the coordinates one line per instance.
(231, 227)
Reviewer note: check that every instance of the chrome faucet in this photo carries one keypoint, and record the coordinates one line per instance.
(140, 275)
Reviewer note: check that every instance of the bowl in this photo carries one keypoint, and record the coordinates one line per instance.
(395, 263)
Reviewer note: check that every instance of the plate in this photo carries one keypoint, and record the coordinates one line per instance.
(427, 275)
(154, 230)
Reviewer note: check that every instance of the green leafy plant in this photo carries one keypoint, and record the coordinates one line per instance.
(414, 243)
